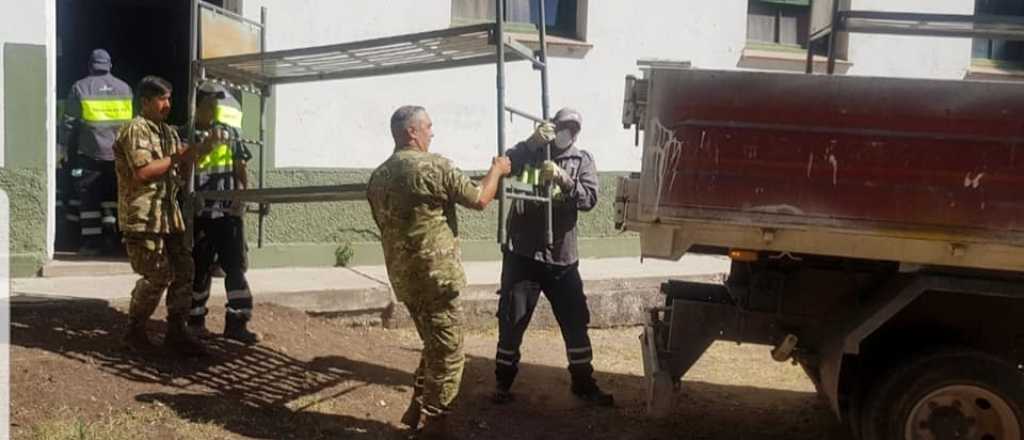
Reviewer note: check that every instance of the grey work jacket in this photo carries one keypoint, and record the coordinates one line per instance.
(526, 222)
(98, 105)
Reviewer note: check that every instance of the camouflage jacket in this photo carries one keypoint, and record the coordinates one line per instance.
(150, 207)
(412, 196)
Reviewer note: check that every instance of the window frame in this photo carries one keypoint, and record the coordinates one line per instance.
(991, 61)
(576, 32)
(780, 6)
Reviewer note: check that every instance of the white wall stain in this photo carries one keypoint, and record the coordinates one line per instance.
(810, 164)
(835, 168)
(667, 151)
(974, 182)
(777, 209)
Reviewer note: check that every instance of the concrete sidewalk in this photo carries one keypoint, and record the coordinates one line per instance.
(618, 289)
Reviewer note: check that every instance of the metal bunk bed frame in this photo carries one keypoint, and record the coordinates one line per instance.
(258, 73)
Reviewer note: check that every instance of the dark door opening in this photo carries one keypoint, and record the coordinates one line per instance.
(143, 37)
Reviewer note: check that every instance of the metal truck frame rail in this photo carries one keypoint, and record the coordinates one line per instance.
(258, 73)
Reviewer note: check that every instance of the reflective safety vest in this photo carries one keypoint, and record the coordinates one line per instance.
(101, 104)
(531, 176)
(221, 158)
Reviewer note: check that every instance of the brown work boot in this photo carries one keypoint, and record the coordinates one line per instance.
(179, 340)
(136, 338)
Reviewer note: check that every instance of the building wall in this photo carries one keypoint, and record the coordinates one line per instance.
(26, 129)
(911, 57)
(337, 131)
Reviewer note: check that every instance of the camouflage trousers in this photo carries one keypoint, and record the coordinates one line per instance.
(439, 324)
(164, 263)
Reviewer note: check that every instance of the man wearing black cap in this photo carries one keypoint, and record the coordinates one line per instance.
(98, 106)
(530, 266)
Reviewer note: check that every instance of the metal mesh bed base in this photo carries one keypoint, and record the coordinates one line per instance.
(441, 49)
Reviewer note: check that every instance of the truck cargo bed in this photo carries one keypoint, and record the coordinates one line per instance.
(935, 162)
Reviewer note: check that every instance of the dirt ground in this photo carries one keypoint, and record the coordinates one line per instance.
(316, 378)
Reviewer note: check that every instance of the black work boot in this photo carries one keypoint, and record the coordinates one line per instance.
(235, 328)
(179, 340)
(433, 427)
(502, 394)
(136, 338)
(91, 247)
(411, 418)
(586, 389)
(197, 326)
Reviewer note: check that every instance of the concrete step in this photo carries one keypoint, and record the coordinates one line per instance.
(70, 265)
(619, 290)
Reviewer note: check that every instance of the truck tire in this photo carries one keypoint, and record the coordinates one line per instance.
(953, 393)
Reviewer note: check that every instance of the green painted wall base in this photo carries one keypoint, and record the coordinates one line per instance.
(310, 234)
(369, 253)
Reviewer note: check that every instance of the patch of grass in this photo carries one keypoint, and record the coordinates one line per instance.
(155, 421)
(343, 255)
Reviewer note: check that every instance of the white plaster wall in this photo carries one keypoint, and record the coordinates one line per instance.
(906, 56)
(345, 123)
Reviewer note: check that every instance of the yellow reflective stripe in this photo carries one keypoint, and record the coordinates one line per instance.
(219, 157)
(229, 116)
(106, 110)
(530, 176)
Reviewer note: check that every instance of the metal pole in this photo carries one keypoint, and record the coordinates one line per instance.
(499, 28)
(546, 114)
(263, 125)
(810, 45)
(195, 73)
(833, 39)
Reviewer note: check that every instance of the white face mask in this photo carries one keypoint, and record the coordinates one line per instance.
(563, 139)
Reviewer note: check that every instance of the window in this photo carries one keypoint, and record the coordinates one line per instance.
(563, 17)
(999, 50)
(778, 22)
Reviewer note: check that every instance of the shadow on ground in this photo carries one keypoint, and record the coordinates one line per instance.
(266, 392)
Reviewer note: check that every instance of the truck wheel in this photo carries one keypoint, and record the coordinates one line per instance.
(947, 394)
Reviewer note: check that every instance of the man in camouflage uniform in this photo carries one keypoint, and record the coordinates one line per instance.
(412, 196)
(151, 163)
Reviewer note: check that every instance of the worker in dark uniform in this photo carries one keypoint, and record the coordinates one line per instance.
(97, 106)
(218, 224)
(530, 266)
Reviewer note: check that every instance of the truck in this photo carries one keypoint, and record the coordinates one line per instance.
(875, 228)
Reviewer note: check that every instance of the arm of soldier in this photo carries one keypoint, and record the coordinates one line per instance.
(148, 169)
(584, 189)
(464, 192)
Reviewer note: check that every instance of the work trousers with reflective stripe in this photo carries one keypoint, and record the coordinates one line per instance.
(96, 186)
(69, 230)
(221, 238)
(522, 281)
